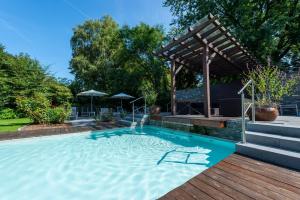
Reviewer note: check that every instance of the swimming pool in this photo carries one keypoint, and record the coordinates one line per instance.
(112, 164)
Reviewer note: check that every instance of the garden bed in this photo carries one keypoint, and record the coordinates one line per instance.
(44, 130)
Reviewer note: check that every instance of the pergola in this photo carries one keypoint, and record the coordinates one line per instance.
(208, 48)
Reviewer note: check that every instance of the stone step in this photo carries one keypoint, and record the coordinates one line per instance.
(275, 129)
(272, 140)
(276, 156)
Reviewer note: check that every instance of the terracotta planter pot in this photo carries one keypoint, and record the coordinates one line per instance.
(154, 110)
(264, 114)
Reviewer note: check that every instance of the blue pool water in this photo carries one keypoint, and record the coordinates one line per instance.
(112, 164)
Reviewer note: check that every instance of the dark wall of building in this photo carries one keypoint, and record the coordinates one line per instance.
(226, 97)
(223, 96)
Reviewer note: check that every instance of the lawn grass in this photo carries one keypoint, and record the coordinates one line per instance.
(11, 125)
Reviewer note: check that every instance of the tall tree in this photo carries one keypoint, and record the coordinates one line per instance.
(23, 76)
(267, 27)
(95, 46)
(113, 59)
(139, 61)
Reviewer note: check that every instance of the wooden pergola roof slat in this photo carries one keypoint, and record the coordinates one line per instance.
(185, 45)
(224, 46)
(191, 56)
(216, 44)
(187, 51)
(206, 34)
(188, 35)
(210, 32)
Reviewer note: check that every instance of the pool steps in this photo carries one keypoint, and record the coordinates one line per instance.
(279, 129)
(278, 144)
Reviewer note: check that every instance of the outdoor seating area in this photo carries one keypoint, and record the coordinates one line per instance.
(86, 112)
(92, 111)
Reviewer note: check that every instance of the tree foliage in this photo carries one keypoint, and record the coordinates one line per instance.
(22, 76)
(115, 59)
(149, 93)
(266, 27)
(39, 109)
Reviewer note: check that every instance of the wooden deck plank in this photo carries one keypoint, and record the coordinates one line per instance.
(187, 189)
(196, 194)
(236, 183)
(238, 177)
(259, 186)
(223, 188)
(270, 167)
(264, 186)
(266, 172)
(180, 194)
(209, 123)
(209, 190)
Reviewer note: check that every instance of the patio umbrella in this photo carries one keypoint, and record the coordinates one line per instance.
(92, 93)
(122, 96)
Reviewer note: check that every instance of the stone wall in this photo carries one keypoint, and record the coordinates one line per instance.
(231, 132)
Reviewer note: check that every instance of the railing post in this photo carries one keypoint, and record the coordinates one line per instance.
(133, 112)
(243, 117)
(253, 102)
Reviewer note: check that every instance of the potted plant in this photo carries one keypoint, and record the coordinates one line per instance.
(271, 85)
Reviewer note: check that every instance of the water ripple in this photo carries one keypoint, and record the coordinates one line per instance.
(114, 164)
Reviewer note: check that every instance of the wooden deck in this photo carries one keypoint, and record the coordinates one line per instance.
(200, 120)
(238, 177)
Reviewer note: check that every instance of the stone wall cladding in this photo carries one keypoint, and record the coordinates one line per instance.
(231, 132)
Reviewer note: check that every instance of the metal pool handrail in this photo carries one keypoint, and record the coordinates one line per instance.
(244, 111)
(133, 108)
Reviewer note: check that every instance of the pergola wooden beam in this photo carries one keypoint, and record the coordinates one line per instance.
(206, 84)
(206, 46)
(214, 49)
(173, 88)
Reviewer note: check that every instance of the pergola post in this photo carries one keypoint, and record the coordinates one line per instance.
(206, 83)
(173, 88)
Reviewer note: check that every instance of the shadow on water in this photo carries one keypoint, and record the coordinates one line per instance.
(185, 141)
(201, 153)
(119, 133)
(186, 154)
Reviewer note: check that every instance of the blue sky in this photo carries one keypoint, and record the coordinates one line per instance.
(43, 28)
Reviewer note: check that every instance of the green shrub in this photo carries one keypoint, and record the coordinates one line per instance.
(123, 114)
(57, 115)
(107, 117)
(7, 113)
(271, 85)
(39, 110)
